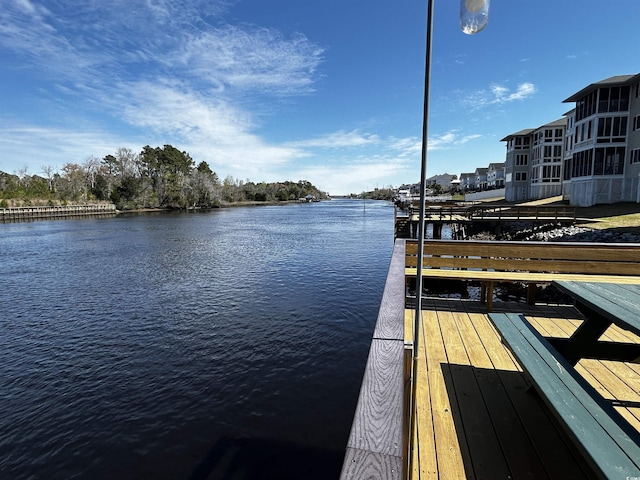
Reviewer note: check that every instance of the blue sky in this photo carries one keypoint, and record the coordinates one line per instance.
(267, 90)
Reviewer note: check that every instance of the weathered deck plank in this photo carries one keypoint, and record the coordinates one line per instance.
(512, 436)
(364, 464)
(425, 463)
(379, 413)
(390, 322)
(449, 452)
(485, 451)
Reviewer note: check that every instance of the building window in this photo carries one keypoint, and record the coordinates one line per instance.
(523, 143)
(522, 159)
(583, 132)
(586, 106)
(548, 135)
(635, 156)
(521, 176)
(551, 174)
(557, 152)
(567, 168)
(609, 161)
(612, 129)
(568, 144)
(636, 122)
(614, 99)
(582, 164)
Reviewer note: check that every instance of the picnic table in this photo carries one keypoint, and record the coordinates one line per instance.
(609, 444)
(602, 304)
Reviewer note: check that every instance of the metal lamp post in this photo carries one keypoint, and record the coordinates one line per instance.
(474, 16)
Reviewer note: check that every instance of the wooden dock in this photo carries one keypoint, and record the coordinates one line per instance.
(475, 416)
(461, 218)
(13, 214)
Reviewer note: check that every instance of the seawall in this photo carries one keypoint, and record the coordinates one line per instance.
(13, 214)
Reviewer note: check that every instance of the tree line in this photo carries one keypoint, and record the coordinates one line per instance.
(160, 177)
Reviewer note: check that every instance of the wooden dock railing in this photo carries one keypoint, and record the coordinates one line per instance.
(501, 212)
(377, 443)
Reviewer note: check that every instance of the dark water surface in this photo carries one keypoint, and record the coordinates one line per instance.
(171, 346)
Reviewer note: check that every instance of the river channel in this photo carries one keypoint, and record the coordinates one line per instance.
(164, 345)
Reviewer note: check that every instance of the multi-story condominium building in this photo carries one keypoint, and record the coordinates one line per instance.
(495, 175)
(546, 160)
(602, 163)
(533, 165)
(516, 165)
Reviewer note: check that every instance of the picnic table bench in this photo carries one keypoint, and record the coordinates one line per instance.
(608, 443)
(532, 263)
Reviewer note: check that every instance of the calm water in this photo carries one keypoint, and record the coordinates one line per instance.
(163, 346)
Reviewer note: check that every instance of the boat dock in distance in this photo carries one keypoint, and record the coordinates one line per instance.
(461, 217)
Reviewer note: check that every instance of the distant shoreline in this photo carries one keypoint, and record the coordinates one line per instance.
(44, 212)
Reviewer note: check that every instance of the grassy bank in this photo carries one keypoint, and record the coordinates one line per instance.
(622, 217)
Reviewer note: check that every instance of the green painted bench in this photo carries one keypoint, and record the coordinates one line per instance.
(607, 442)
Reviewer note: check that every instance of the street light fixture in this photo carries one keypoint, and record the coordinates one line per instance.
(474, 16)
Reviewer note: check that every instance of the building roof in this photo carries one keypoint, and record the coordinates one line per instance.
(521, 133)
(561, 122)
(607, 82)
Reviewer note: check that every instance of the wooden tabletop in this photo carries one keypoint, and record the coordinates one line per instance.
(617, 302)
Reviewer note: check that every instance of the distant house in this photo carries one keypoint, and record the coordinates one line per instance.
(467, 182)
(481, 178)
(495, 176)
(443, 180)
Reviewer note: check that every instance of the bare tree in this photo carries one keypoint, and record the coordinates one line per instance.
(49, 172)
(127, 162)
(92, 169)
(23, 176)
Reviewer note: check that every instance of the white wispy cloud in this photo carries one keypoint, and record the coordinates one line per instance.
(40, 146)
(339, 139)
(406, 147)
(250, 58)
(503, 94)
(161, 68)
(498, 94)
(449, 140)
(348, 177)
